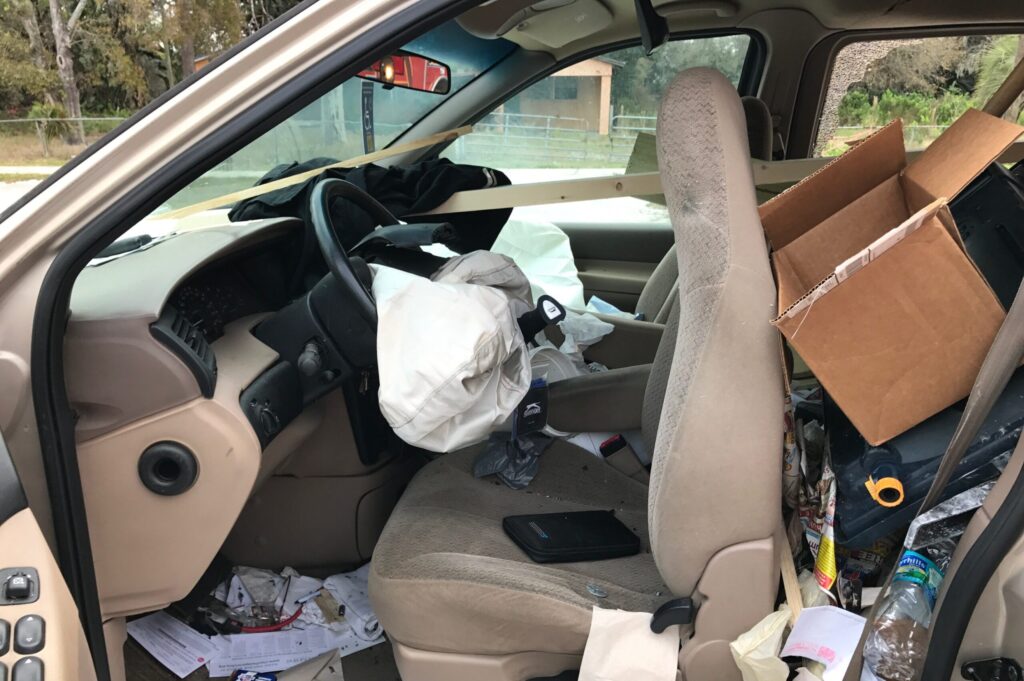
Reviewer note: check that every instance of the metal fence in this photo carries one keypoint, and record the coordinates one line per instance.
(510, 140)
(501, 139)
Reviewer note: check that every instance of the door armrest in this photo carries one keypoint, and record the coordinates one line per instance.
(606, 401)
(631, 343)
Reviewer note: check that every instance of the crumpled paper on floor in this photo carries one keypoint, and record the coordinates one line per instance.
(622, 647)
(352, 590)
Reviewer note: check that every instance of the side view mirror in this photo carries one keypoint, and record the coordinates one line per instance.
(412, 71)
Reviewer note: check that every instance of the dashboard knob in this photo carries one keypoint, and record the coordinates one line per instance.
(311, 361)
(269, 420)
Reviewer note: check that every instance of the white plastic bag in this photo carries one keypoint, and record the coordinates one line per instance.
(756, 652)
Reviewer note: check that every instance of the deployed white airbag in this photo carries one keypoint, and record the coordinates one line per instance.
(453, 364)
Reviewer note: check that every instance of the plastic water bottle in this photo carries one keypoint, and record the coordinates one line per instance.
(898, 640)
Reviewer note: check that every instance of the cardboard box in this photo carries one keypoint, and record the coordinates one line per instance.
(876, 292)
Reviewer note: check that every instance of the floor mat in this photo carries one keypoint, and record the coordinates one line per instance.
(373, 664)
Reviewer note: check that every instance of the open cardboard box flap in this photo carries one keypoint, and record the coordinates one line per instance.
(875, 289)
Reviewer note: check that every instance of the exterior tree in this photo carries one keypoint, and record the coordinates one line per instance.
(996, 64)
(63, 32)
(203, 28)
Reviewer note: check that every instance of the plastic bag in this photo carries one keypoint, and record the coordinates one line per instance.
(602, 306)
(514, 460)
(896, 647)
(756, 651)
(581, 331)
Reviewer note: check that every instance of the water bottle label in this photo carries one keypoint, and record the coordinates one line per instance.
(917, 569)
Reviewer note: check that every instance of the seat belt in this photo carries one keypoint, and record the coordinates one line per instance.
(1002, 360)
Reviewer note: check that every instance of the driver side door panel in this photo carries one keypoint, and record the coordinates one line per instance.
(62, 650)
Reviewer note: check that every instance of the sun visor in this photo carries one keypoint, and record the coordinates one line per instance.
(553, 23)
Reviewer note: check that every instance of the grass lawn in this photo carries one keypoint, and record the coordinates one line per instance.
(25, 150)
(21, 177)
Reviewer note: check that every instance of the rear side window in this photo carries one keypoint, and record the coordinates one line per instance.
(927, 82)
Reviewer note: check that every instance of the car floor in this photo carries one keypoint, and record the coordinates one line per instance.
(373, 664)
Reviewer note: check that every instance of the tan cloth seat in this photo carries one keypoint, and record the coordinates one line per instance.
(659, 293)
(446, 579)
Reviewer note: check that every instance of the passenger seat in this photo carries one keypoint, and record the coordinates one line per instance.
(659, 292)
(459, 600)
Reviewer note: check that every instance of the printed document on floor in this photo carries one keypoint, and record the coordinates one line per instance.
(174, 644)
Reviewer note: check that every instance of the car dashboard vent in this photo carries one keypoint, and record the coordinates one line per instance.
(187, 341)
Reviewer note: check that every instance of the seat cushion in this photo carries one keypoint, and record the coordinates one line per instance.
(446, 578)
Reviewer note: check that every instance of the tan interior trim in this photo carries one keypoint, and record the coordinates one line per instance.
(424, 665)
(149, 549)
(260, 190)
(115, 635)
(65, 654)
(635, 185)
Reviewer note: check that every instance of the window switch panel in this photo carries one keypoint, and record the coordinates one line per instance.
(19, 586)
(29, 635)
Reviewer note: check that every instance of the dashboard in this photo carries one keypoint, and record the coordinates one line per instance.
(181, 368)
(258, 279)
(195, 284)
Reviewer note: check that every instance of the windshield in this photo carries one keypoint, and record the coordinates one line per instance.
(357, 117)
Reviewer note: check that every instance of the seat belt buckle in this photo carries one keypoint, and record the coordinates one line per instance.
(619, 455)
(613, 444)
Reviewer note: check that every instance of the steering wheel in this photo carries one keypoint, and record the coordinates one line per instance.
(330, 243)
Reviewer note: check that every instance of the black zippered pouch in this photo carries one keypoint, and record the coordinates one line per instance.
(571, 537)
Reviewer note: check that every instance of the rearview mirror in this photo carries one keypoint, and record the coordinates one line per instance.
(411, 71)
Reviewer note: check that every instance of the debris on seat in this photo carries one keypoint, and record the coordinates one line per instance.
(259, 622)
(599, 305)
(513, 460)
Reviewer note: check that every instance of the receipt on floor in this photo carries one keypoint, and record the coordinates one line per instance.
(175, 645)
(277, 650)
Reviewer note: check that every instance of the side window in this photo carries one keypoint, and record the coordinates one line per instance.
(927, 82)
(583, 121)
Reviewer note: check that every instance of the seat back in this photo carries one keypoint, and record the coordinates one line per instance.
(716, 471)
(659, 293)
